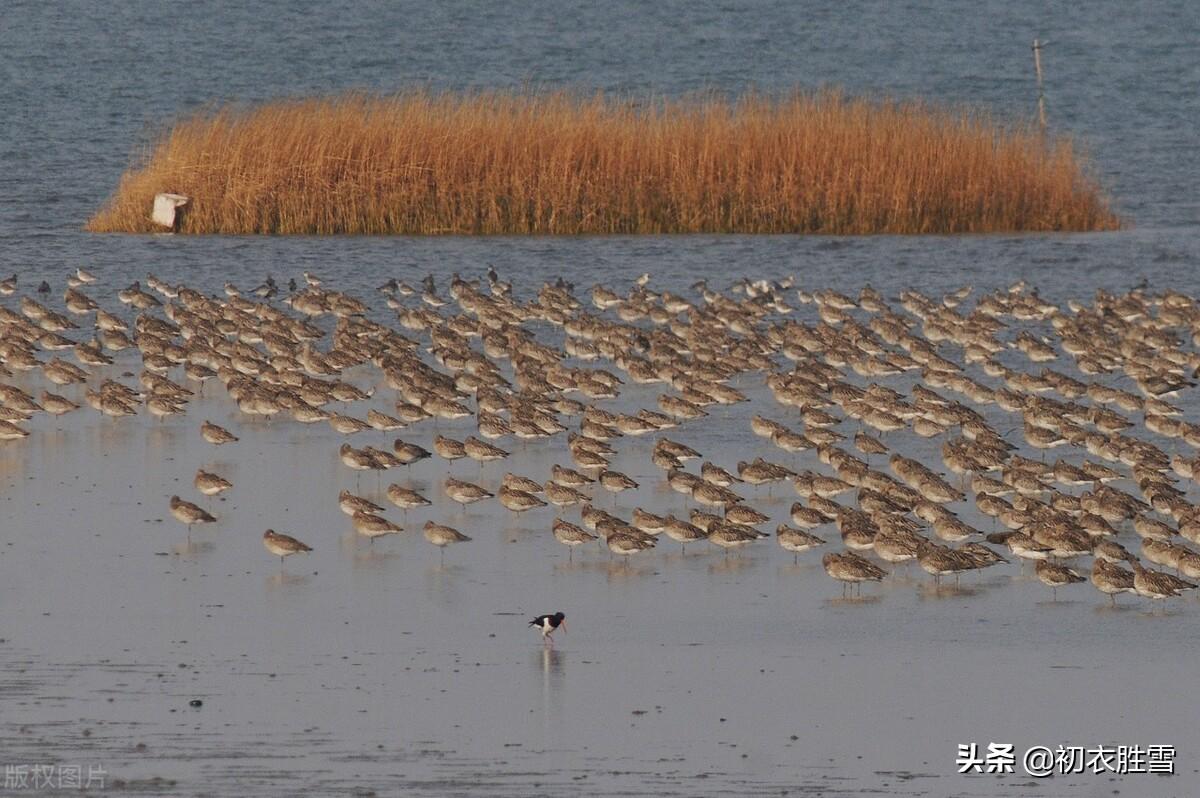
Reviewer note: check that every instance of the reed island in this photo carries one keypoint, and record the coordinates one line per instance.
(423, 163)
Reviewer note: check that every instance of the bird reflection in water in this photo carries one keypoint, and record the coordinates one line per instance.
(285, 579)
(191, 548)
(372, 559)
(161, 439)
(928, 591)
(550, 664)
(442, 584)
(622, 571)
(550, 660)
(852, 601)
(727, 565)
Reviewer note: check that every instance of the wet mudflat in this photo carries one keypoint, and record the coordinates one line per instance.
(377, 667)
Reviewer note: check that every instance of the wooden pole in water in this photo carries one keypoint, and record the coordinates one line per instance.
(1037, 66)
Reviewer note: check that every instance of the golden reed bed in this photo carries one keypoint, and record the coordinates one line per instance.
(424, 164)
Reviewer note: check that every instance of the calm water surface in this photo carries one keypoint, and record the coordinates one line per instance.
(375, 668)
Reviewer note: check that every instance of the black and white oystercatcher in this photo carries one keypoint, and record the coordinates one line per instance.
(547, 624)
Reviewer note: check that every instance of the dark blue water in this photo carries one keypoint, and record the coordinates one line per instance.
(84, 85)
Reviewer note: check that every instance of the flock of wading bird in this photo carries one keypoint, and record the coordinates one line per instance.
(447, 353)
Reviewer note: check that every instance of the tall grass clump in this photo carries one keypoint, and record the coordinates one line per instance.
(500, 163)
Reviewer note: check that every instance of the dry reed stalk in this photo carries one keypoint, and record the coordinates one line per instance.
(497, 163)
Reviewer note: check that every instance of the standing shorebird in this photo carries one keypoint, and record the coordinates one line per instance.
(518, 482)
(1111, 579)
(442, 536)
(216, 435)
(358, 460)
(352, 504)
(713, 473)
(569, 477)
(482, 451)
(868, 445)
(850, 569)
(211, 484)
(406, 498)
(518, 500)
(448, 448)
(188, 513)
(465, 492)
(57, 405)
(563, 496)
(571, 535)
(682, 532)
(629, 541)
(1157, 584)
(615, 482)
(729, 535)
(796, 541)
(1056, 576)
(374, 526)
(283, 545)
(409, 453)
(939, 561)
(547, 624)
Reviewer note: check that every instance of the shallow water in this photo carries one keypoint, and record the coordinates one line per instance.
(375, 668)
